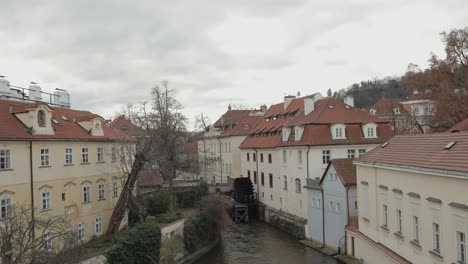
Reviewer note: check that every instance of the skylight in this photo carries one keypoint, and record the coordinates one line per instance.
(55, 121)
(330, 106)
(347, 106)
(450, 145)
(384, 144)
(63, 117)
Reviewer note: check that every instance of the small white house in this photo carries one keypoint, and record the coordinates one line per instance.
(332, 201)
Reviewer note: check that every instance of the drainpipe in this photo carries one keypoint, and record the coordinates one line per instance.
(307, 157)
(220, 158)
(323, 217)
(32, 189)
(347, 221)
(258, 175)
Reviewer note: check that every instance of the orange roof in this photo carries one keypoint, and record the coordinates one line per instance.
(316, 125)
(345, 169)
(237, 123)
(11, 128)
(423, 152)
(126, 126)
(462, 126)
(385, 106)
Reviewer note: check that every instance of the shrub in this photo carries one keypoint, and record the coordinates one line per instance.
(140, 246)
(190, 197)
(208, 224)
(159, 202)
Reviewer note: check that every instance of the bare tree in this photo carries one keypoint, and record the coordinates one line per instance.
(52, 240)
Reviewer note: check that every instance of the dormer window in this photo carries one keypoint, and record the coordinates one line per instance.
(285, 134)
(338, 131)
(41, 118)
(373, 111)
(396, 110)
(298, 131)
(370, 130)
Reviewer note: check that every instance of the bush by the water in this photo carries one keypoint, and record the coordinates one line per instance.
(141, 246)
(207, 225)
(158, 202)
(191, 196)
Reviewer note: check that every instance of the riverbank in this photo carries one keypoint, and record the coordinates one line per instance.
(192, 258)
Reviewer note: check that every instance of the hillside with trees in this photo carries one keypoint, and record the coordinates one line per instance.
(366, 93)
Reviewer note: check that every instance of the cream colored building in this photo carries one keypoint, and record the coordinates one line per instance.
(60, 162)
(218, 149)
(413, 202)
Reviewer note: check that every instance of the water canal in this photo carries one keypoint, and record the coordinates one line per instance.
(259, 243)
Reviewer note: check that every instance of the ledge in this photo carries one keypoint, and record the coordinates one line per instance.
(365, 219)
(399, 235)
(385, 228)
(45, 210)
(87, 202)
(414, 195)
(395, 190)
(383, 187)
(100, 162)
(364, 183)
(415, 243)
(434, 200)
(6, 169)
(436, 254)
(459, 205)
(48, 166)
(103, 199)
(68, 165)
(85, 163)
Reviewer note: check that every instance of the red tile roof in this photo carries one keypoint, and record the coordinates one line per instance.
(126, 126)
(385, 106)
(316, 125)
(462, 126)
(423, 152)
(11, 128)
(345, 169)
(244, 121)
(149, 178)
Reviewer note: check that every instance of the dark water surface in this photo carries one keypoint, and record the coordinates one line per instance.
(259, 243)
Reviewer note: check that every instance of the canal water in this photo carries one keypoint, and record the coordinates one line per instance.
(260, 243)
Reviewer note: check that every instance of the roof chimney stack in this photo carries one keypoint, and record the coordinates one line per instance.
(349, 100)
(4, 87)
(309, 105)
(35, 92)
(61, 98)
(288, 99)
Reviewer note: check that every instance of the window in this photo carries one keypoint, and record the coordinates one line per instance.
(84, 155)
(338, 132)
(271, 180)
(325, 156)
(416, 110)
(5, 159)
(299, 157)
(98, 225)
(370, 132)
(248, 156)
(284, 156)
(81, 231)
(399, 223)
(261, 157)
(436, 237)
(262, 178)
(254, 157)
(100, 154)
(319, 203)
(416, 228)
(47, 241)
(44, 157)
(255, 177)
(285, 187)
(115, 188)
(229, 147)
(5, 208)
(41, 118)
(330, 206)
(385, 215)
(313, 202)
(362, 152)
(114, 154)
(351, 153)
(461, 247)
(122, 154)
(269, 158)
(45, 200)
(86, 194)
(101, 191)
(68, 156)
(338, 207)
(248, 174)
(298, 186)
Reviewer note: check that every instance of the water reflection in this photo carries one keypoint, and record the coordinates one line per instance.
(259, 243)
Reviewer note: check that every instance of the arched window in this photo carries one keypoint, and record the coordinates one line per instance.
(41, 118)
(298, 186)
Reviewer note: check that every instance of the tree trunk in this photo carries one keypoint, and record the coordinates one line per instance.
(122, 204)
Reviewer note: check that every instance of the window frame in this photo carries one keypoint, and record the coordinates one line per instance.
(84, 155)
(68, 156)
(98, 225)
(46, 201)
(436, 237)
(101, 191)
(86, 193)
(461, 247)
(44, 157)
(100, 154)
(298, 185)
(6, 204)
(81, 231)
(5, 159)
(326, 156)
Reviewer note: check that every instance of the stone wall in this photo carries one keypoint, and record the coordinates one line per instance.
(292, 225)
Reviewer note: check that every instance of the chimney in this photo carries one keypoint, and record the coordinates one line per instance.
(263, 108)
(349, 100)
(309, 105)
(35, 92)
(61, 98)
(288, 99)
(4, 86)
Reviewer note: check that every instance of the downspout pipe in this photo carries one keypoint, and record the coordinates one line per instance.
(323, 217)
(258, 175)
(347, 220)
(307, 157)
(31, 175)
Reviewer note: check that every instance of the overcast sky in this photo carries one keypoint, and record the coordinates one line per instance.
(249, 52)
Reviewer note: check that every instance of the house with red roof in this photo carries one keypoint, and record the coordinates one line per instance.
(332, 203)
(218, 148)
(295, 140)
(413, 202)
(58, 161)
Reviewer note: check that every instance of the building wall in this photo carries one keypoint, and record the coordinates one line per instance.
(366, 251)
(371, 199)
(63, 182)
(314, 218)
